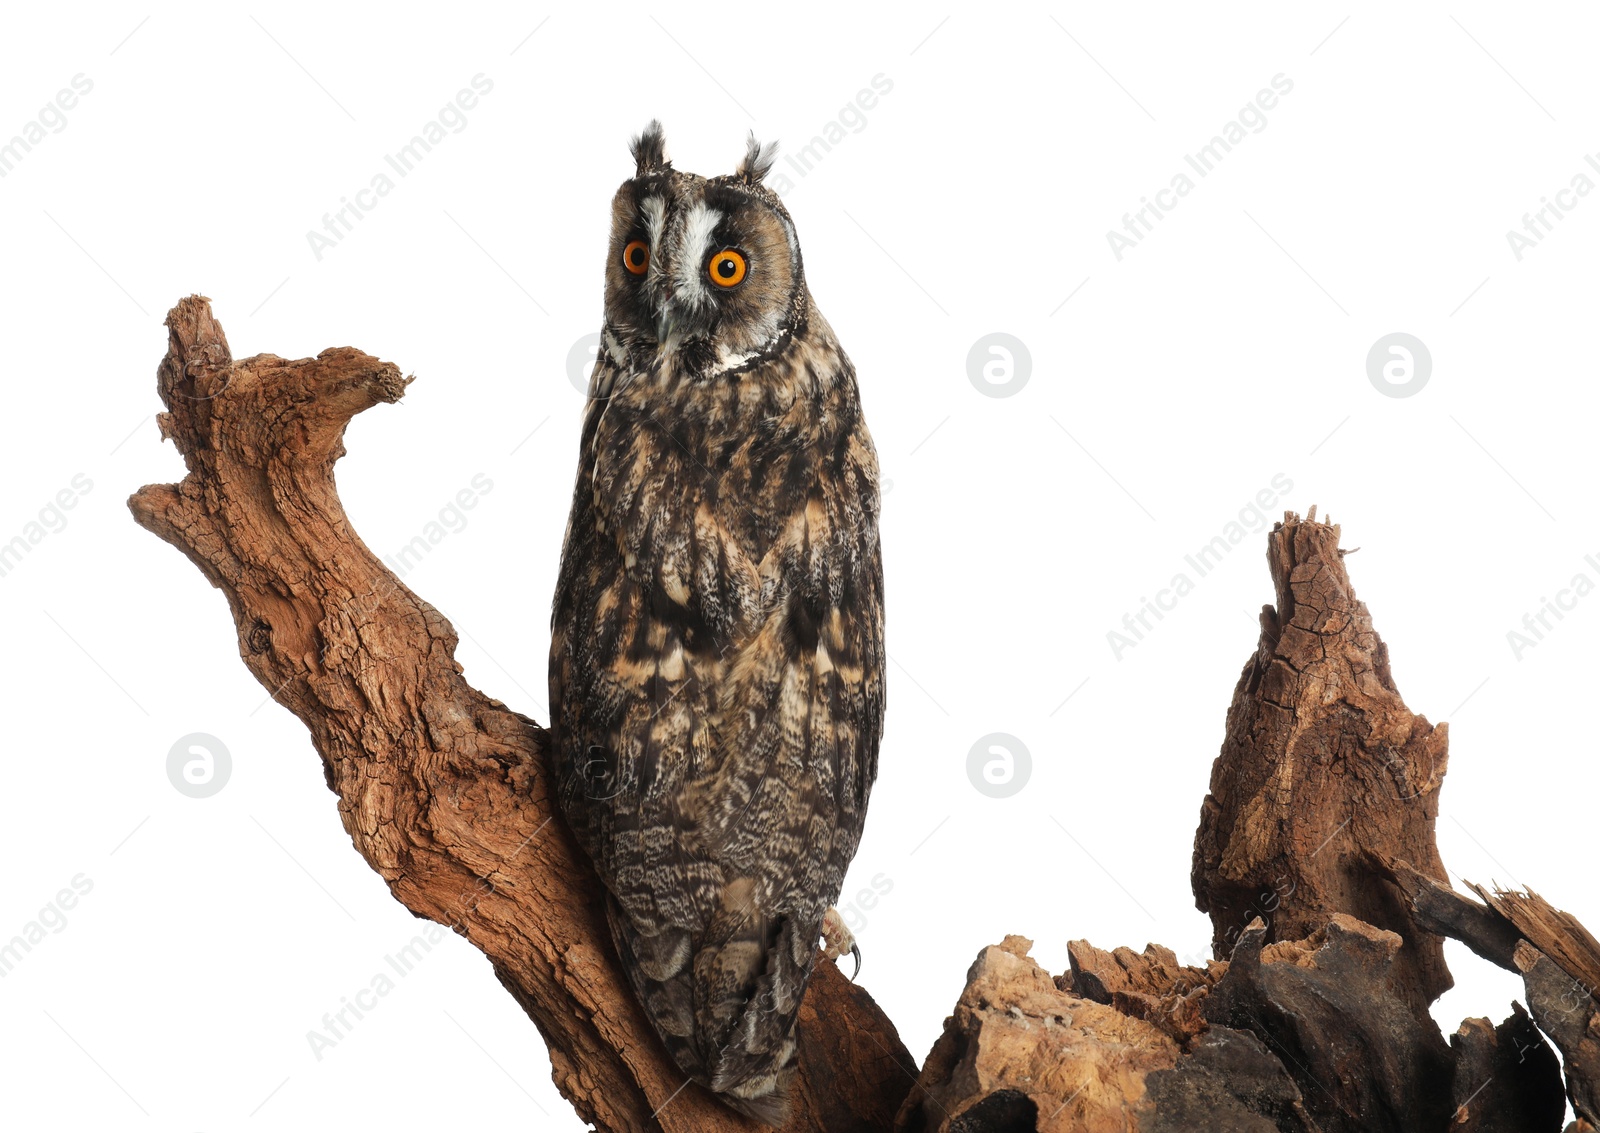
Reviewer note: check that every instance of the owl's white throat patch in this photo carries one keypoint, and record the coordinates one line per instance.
(729, 359)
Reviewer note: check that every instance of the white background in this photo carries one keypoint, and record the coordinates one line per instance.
(1228, 347)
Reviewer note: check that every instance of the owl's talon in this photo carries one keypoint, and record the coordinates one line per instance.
(837, 939)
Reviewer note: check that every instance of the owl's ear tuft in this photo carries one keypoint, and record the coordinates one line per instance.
(649, 149)
(758, 160)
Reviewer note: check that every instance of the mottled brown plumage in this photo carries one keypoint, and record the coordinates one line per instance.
(716, 664)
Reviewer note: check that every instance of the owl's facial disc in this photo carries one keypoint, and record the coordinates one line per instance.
(709, 268)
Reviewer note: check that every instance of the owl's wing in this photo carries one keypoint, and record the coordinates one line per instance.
(634, 662)
(797, 717)
(633, 665)
(799, 710)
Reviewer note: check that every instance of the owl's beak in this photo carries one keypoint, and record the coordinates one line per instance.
(677, 314)
(664, 320)
(671, 319)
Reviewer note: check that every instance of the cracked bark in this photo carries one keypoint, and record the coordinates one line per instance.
(441, 788)
(1322, 765)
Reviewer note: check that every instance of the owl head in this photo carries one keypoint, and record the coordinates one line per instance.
(705, 268)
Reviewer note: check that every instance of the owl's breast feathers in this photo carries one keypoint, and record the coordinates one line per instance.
(716, 687)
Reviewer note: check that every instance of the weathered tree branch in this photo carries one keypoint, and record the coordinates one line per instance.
(441, 788)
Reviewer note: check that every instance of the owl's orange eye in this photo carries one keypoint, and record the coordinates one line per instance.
(636, 256)
(727, 268)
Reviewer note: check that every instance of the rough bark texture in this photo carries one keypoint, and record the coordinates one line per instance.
(1315, 854)
(1327, 1007)
(1507, 1079)
(1022, 1053)
(1439, 909)
(1552, 931)
(1151, 985)
(1565, 1010)
(1321, 761)
(1561, 996)
(1229, 1082)
(441, 788)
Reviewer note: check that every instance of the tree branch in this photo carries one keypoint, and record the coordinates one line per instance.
(441, 788)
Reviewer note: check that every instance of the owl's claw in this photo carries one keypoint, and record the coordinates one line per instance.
(837, 939)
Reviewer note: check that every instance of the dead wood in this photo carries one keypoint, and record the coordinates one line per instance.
(1551, 930)
(1321, 762)
(1561, 995)
(1022, 1053)
(1439, 909)
(1315, 855)
(1328, 1007)
(1507, 1079)
(1151, 985)
(1565, 1010)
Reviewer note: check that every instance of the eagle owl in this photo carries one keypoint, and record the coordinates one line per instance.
(716, 660)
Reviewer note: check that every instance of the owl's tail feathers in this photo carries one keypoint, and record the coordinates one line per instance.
(769, 1109)
(658, 968)
(726, 1015)
(751, 971)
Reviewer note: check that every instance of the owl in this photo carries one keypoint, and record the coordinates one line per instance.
(717, 646)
